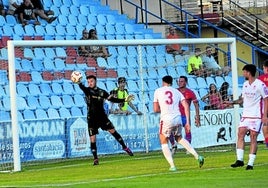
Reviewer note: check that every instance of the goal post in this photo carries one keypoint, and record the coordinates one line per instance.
(12, 44)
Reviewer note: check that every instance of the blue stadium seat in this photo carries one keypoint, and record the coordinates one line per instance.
(60, 30)
(50, 53)
(201, 83)
(28, 53)
(2, 91)
(72, 20)
(8, 30)
(102, 19)
(211, 80)
(77, 89)
(39, 52)
(44, 102)
(7, 89)
(228, 79)
(169, 58)
(53, 113)
(57, 3)
(50, 30)
(28, 114)
(26, 65)
(219, 80)
(4, 54)
(40, 30)
(3, 77)
(160, 60)
(11, 20)
(56, 101)
(101, 62)
(63, 20)
(37, 64)
(110, 29)
(2, 21)
(59, 64)
(21, 103)
(22, 90)
(122, 72)
(5, 116)
(132, 62)
(172, 71)
(152, 73)
(112, 50)
(129, 28)
(41, 114)
(84, 111)
(57, 88)
(33, 102)
(67, 101)
(29, 30)
(34, 89)
(111, 61)
(60, 52)
(132, 86)
(19, 30)
(92, 19)
(202, 92)
(192, 83)
(122, 51)
(111, 19)
(49, 64)
(64, 113)
(82, 19)
(132, 51)
(100, 29)
(152, 84)
(6, 103)
(68, 88)
(110, 85)
(74, 10)
(161, 71)
(84, 10)
(67, 3)
(45, 89)
(182, 71)
(120, 28)
(122, 61)
(37, 77)
(79, 100)
(76, 112)
(70, 30)
(64, 10)
(145, 88)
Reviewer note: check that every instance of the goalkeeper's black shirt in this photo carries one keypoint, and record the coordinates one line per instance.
(94, 98)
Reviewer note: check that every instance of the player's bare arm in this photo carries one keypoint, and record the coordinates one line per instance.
(156, 107)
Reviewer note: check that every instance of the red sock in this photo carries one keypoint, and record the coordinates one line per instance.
(266, 141)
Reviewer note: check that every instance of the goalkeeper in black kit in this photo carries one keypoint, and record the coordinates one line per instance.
(96, 116)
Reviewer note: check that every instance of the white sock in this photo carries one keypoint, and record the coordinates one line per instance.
(188, 147)
(240, 154)
(167, 154)
(251, 160)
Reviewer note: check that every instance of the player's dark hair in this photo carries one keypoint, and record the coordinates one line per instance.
(91, 76)
(168, 79)
(185, 78)
(265, 63)
(250, 68)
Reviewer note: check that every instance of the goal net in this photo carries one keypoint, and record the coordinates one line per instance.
(44, 115)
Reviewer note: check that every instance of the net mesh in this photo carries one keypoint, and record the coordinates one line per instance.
(52, 112)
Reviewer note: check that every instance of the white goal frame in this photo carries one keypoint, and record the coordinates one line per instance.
(59, 43)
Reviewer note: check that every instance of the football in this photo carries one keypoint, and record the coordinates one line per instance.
(76, 76)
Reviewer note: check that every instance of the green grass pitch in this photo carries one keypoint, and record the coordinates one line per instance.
(145, 171)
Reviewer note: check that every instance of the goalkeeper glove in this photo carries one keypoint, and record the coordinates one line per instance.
(129, 98)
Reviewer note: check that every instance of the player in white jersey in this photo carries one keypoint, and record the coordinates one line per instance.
(166, 102)
(255, 104)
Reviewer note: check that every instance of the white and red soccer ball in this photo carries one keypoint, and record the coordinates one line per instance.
(76, 76)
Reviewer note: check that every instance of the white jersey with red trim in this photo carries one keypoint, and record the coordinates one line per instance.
(168, 99)
(253, 95)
